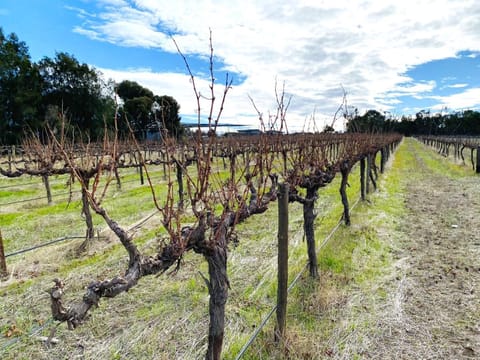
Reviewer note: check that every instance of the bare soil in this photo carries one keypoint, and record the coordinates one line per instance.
(432, 306)
(441, 292)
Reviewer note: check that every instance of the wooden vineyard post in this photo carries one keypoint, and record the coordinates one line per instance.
(368, 172)
(373, 173)
(478, 160)
(140, 170)
(11, 157)
(164, 164)
(180, 185)
(383, 159)
(139, 166)
(345, 170)
(471, 158)
(362, 178)
(3, 263)
(282, 262)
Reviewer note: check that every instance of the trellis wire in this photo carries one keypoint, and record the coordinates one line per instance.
(64, 238)
(56, 195)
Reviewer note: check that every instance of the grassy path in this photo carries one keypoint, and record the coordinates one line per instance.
(435, 300)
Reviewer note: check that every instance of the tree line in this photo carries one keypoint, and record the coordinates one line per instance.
(37, 96)
(423, 123)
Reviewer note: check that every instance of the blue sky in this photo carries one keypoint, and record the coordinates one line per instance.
(397, 57)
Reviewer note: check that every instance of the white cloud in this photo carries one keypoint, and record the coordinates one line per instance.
(314, 46)
(448, 78)
(468, 99)
(413, 89)
(113, 2)
(457, 86)
(80, 12)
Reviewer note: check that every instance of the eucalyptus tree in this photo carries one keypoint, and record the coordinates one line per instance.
(77, 90)
(148, 113)
(20, 90)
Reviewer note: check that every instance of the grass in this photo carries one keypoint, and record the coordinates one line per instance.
(20, 222)
(450, 167)
(16, 193)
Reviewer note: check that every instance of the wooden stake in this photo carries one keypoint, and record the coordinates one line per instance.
(478, 160)
(3, 263)
(362, 178)
(282, 262)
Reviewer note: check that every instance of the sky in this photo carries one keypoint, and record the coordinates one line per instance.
(397, 57)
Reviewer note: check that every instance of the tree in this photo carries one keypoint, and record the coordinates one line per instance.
(149, 113)
(138, 113)
(166, 114)
(130, 89)
(423, 123)
(78, 90)
(137, 104)
(406, 126)
(20, 86)
(372, 121)
(471, 122)
(328, 129)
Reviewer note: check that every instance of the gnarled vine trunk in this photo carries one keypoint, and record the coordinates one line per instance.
(218, 290)
(46, 182)
(86, 211)
(312, 184)
(309, 229)
(345, 171)
(90, 232)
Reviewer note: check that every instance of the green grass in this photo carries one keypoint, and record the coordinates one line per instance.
(439, 164)
(8, 219)
(16, 193)
(20, 222)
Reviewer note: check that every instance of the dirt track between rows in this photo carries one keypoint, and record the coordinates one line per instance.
(431, 306)
(436, 302)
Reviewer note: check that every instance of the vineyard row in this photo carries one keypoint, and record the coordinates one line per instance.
(220, 183)
(456, 144)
